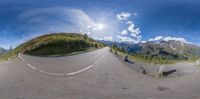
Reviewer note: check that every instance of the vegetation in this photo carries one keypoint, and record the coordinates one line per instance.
(55, 44)
(2, 51)
(159, 52)
(156, 59)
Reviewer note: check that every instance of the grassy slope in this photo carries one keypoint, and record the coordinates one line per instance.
(55, 44)
(154, 61)
(158, 58)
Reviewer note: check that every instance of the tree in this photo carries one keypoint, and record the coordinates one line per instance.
(123, 49)
(114, 46)
(96, 45)
(85, 36)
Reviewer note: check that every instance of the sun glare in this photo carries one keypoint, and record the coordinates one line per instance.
(100, 26)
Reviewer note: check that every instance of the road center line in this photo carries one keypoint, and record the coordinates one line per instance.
(61, 74)
(82, 70)
(32, 67)
(54, 74)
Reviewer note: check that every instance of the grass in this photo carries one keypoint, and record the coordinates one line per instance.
(140, 60)
(55, 44)
(73, 53)
(135, 58)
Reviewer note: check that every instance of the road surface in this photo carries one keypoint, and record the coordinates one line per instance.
(107, 77)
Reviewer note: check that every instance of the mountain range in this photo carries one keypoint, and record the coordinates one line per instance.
(173, 50)
(2, 51)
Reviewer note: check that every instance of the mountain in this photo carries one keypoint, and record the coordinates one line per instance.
(56, 44)
(168, 49)
(2, 51)
(109, 43)
(172, 50)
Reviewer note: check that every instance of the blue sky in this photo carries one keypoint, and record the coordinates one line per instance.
(119, 20)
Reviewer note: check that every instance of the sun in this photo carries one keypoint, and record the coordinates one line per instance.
(100, 26)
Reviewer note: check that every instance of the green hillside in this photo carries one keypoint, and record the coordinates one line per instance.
(55, 44)
(160, 52)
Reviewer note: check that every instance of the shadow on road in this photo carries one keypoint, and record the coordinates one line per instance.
(127, 60)
(169, 72)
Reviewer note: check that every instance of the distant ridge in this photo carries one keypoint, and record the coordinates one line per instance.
(172, 50)
(2, 51)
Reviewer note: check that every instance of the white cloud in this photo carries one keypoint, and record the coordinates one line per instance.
(124, 32)
(60, 19)
(127, 39)
(169, 38)
(175, 38)
(134, 30)
(158, 38)
(129, 22)
(66, 14)
(131, 32)
(108, 38)
(123, 16)
(143, 41)
(63, 20)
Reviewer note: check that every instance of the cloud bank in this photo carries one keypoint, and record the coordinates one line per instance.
(59, 19)
(169, 38)
(40, 21)
(131, 33)
(123, 16)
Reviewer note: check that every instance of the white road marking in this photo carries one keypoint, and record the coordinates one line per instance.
(62, 74)
(82, 70)
(32, 67)
(23, 60)
(54, 74)
(19, 56)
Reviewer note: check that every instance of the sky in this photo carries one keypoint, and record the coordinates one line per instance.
(113, 20)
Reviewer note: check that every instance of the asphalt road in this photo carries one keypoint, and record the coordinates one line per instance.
(106, 77)
(64, 66)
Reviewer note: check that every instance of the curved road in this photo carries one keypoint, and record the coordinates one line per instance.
(64, 66)
(107, 78)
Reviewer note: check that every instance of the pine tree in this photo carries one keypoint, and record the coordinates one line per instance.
(114, 46)
(85, 36)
